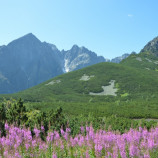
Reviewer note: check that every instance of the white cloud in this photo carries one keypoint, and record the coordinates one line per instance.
(130, 15)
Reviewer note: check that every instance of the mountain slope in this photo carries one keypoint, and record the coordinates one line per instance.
(26, 62)
(151, 47)
(130, 83)
(146, 59)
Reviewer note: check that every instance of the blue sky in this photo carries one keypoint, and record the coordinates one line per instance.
(107, 27)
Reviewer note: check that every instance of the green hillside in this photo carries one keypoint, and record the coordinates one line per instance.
(143, 60)
(130, 83)
(146, 59)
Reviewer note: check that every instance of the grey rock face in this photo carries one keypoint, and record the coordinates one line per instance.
(79, 57)
(151, 47)
(120, 58)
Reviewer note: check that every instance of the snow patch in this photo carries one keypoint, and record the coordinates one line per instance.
(66, 67)
(148, 60)
(86, 77)
(107, 90)
(147, 68)
(53, 82)
(71, 64)
(139, 59)
(2, 77)
(156, 62)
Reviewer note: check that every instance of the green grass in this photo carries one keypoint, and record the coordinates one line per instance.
(138, 84)
(128, 109)
(136, 97)
(148, 61)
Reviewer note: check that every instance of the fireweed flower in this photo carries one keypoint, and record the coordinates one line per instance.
(87, 129)
(6, 126)
(5, 153)
(17, 155)
(42, 128)
(98, 149)
(56, 135)
(68, 130)
(82, 129)
(66, 136)
(50, 137)
(61, 145)
(54, 155)
(72, 142)
(139, 143)
(27, 146)
(133, 150)
(62, 132)
(37, 132)
(146, 156)
(87, 154)
(34, 143)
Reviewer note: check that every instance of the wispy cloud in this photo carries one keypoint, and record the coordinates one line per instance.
(130, 15)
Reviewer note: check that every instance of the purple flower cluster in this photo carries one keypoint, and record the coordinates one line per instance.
(20, 143)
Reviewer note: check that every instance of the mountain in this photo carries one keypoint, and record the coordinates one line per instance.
(120, 58)
(151, 47)
(26, 62)
(146, 59)
(79, 57)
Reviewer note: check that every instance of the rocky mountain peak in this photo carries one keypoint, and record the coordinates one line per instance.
(151, 47)
(75, 48)
(29, 36)
(27, 40)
